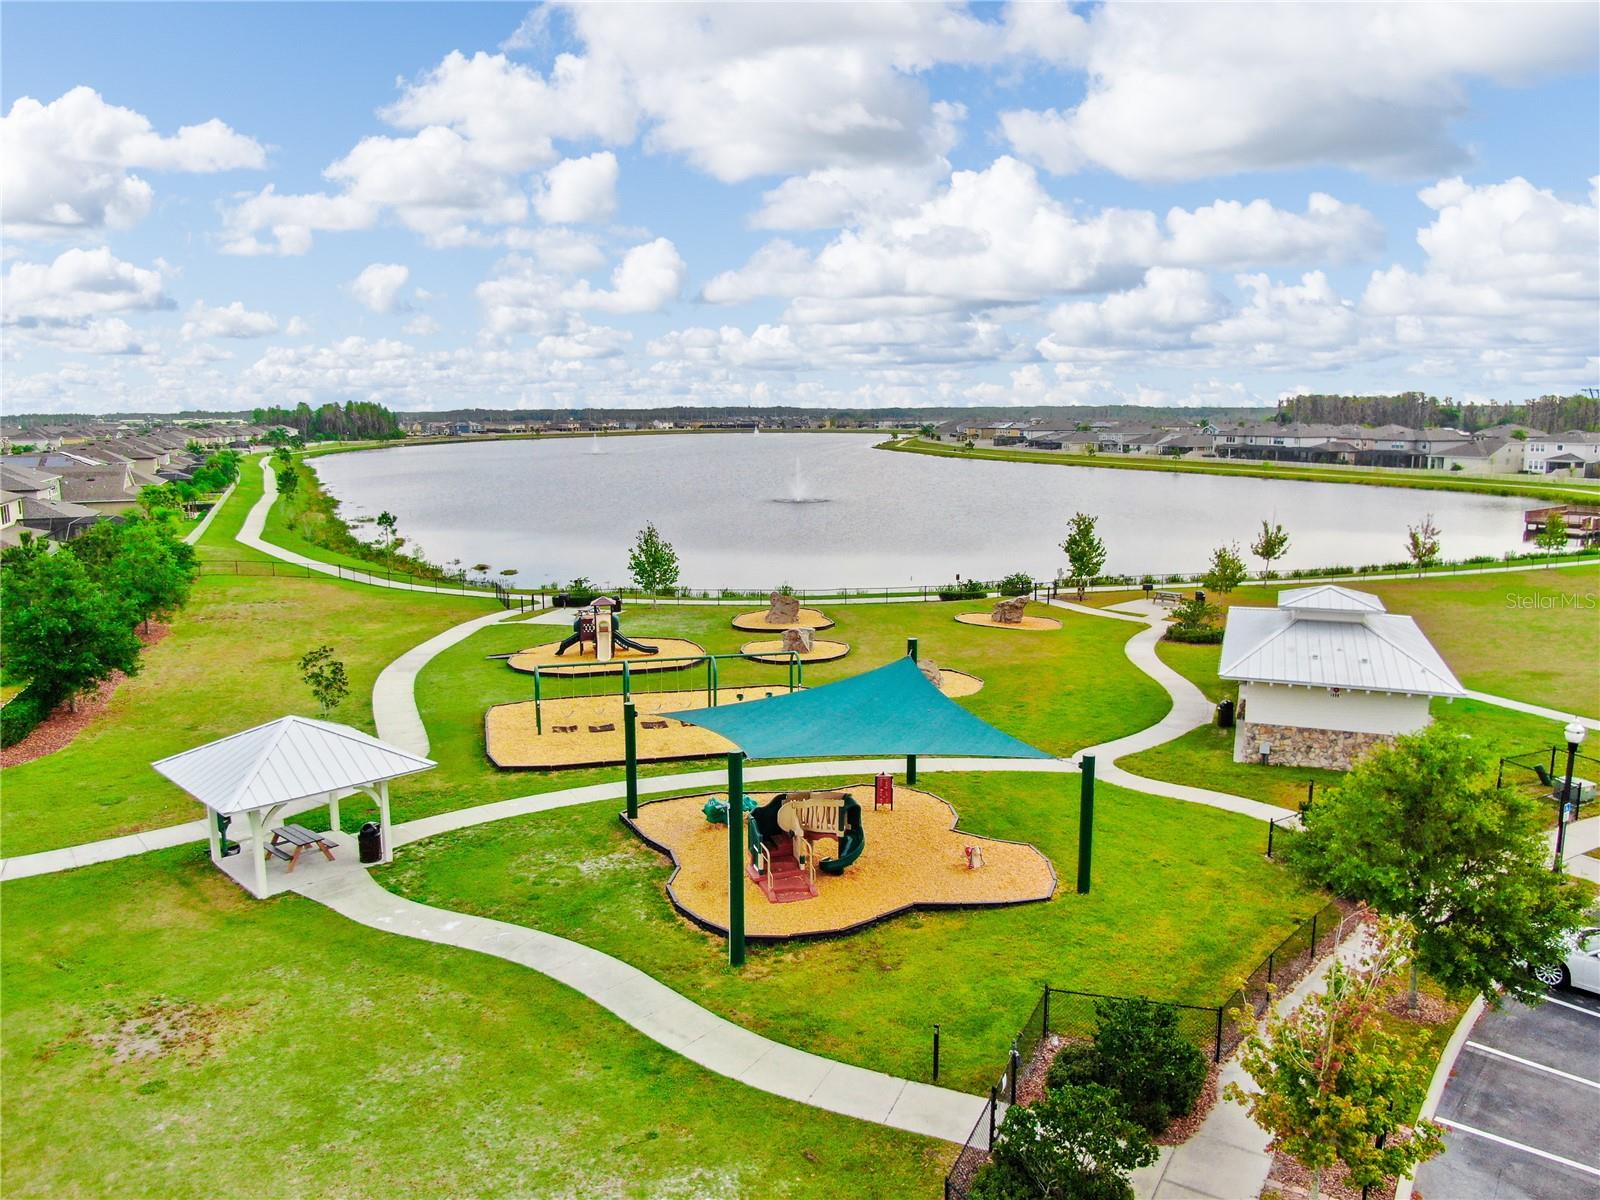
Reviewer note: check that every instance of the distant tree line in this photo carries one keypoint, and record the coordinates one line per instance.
(359, 420)
(1553, 414)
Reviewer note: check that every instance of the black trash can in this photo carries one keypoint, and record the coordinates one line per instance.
(1225, 715)
(370, 839)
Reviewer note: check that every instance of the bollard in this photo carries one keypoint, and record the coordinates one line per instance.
(1016, 1066)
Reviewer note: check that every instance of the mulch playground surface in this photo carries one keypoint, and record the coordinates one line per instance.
(914, 858)
(772, 651)
(756, 622)
(573, 663)
(586, 731)
(1028, 622)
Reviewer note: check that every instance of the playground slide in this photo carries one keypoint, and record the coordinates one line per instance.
(851, 844)
(618, 640)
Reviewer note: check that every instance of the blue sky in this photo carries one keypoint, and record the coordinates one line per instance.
(444, 205)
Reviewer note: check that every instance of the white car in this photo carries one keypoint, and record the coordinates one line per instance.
(1580, 969)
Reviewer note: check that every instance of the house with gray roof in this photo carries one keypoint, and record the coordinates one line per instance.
(1327, 675)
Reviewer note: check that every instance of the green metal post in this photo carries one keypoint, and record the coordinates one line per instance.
(911, 759)
(627, 683)
(911, 648)
(736, 858)
(538, 708)
(630, 749)
(711, 686)
(1085, 822)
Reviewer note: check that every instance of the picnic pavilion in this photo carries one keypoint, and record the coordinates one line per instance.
(892, 711)
(279, 770)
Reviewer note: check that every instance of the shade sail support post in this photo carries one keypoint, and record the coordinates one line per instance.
(630, 749)
(1085, 822)
(736, 858)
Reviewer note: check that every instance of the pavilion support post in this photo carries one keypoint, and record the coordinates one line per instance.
(383, 822)
(214, 836)
(630, 750)
(1085, 822)
(333, 812)
(736, 858)
(258, 851)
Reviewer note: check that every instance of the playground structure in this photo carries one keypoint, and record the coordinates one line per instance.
(887, 861)
(599, 628)
(579, 718)
(601, 646)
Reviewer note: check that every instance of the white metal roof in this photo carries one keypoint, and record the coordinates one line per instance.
(1380, 652)
(287, 759)
(1329, 597)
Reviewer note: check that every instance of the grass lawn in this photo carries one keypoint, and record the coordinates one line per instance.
(1184, 903)
(1058, 690)
(228, 663)
(167, 1036)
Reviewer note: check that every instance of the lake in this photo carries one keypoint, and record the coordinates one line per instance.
(824, 509)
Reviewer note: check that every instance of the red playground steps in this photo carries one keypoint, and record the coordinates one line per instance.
(785, 880)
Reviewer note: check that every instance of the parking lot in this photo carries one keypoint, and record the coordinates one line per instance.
(1521, 1111)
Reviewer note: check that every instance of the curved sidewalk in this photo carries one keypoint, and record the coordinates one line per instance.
(661, 1014)
(194, 535)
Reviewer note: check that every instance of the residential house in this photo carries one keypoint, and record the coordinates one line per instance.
(1571, 451)
(1327, 675)
(44, 510)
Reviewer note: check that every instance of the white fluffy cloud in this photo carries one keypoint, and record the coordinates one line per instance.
(379, 285)
(579, 190)
(80, 285)
(1187, 91)
(648, 278)
(232, 321)
(1230, 234)
(69, 163)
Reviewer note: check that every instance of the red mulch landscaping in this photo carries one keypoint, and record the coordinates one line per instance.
(63, 725)
(1290, 1180)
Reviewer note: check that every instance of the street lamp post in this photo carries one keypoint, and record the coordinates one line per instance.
(1575, 733)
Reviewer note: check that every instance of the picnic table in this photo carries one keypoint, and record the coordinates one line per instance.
(290, 841)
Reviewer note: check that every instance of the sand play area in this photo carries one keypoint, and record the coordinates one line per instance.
(958, 683)
(808, 618)
(574, 663)
(1028, 622)
(586, 731)
(772, 651)
(914, 858)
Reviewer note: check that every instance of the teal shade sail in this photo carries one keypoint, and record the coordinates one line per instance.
(890, 711)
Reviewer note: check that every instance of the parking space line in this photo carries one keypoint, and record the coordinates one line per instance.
(1536, 1066)
(1534, 1150)
(1588, 1012)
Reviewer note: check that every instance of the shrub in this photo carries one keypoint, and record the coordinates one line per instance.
(1141, 1056)
(968, 589)
(1194, 637)
(1074, 1144)
(20, 717)
(1019, 583)
(1074, 1066)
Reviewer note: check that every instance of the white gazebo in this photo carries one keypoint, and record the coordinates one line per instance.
(280, 769)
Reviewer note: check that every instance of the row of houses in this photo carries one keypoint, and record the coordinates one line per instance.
(59, 492)
(213, 435)
(1502, 450)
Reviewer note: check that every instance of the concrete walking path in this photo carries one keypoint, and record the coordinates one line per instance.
(661, 1014)
(1534, 710)
(394, 692)
(194, 535)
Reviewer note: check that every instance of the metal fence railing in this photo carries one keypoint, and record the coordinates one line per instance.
(1062, 1015)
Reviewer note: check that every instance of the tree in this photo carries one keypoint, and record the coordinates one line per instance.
(63, 632)
(928, 430)
(1227, 570)
(1086, 553)
(142, 564)
(1421, 830)
(1271, 545)
(480, 569)
(283, 456)
(653, 563)
(288, 480)
(389, 525)
(1552, 539)
(1335, 1089)
(325, 676)
(1074, 1144)
(1422, 541)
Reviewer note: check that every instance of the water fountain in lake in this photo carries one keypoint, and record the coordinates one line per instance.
(594, 444)
(799, 491)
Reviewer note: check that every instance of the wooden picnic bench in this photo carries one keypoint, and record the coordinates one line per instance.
(1169, 599)
(289, 841)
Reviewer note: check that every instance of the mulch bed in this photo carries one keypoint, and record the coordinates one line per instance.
(1430, 1010)
(63, 725)
(1290, 1180)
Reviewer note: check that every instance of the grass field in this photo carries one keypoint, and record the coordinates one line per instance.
(167, 1036)
(1059, 690)
(1183, 900)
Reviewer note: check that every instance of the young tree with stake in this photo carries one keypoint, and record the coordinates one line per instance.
(1422, 541)
(1086, 553)
(1271, 544)
(1227, 570)
(653, 563)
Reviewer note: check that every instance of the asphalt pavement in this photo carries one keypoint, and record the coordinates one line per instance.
(1521, 1110)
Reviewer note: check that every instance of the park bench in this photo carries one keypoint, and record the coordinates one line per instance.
(290, 841)
(1169, 599)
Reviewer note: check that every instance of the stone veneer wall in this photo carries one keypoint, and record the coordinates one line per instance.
(1294, 746)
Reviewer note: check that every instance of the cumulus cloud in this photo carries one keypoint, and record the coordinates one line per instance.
(421, 325)
(233, 321)
(648, 278)
(1230, 234)
(379, 285)
(579, 190)
(1187, 91)
(77, 286)
(70, 163)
